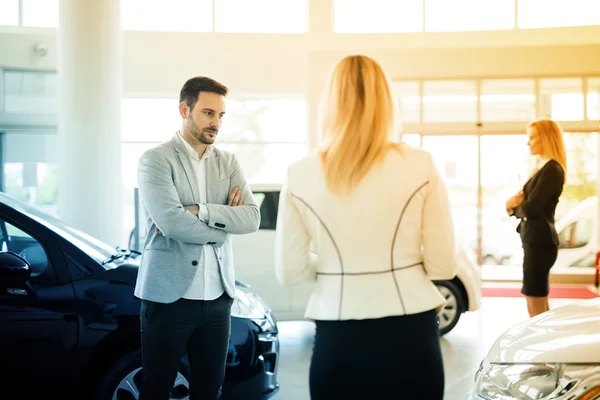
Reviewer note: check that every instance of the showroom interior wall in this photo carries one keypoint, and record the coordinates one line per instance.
(155, 64)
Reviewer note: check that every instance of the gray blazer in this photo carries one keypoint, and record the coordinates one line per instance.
(167, 183)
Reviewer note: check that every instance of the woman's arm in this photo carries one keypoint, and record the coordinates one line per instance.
(550, 183)
(294, 262)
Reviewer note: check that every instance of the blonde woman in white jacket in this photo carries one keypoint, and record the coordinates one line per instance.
(368, 221)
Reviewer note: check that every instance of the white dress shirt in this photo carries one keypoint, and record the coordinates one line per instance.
(207, 283)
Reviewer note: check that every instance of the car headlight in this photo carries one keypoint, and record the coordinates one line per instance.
(248, 305)
(537, 381)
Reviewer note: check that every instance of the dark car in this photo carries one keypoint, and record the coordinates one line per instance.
(69, 321)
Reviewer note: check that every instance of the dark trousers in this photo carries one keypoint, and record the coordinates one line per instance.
(200, 328)
(385, 358)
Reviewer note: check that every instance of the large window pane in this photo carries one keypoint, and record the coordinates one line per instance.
(265, 120)
(556, 13)
(562, 98)
(31, 170)
(505, 163)
(40, 13)
(170, 16)
(266, 163)
(409, 101)
(130, 156)
(412, 139)
(261, 16)
(593, 99)
(149, 120)
(30, 92)
(582, 167)
(456, 158)
(507, 100)
(9, 12)
(469, 15)
(449, 101)
(377, 16)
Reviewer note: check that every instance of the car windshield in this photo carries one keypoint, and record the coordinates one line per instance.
(92, 246)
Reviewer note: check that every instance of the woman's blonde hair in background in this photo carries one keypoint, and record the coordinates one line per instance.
(357, 121)
(553, 145)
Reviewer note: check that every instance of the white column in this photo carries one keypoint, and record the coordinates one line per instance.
(89, 89)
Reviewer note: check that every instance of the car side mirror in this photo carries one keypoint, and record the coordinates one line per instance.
(14, 272)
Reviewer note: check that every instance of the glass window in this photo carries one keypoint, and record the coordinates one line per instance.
(409, 101)
(504, 170)
(582, 170)
(9, 12)
(449, 101)
(469, 15)
(40, 13)
(261, 16)
(456, 158)
(130, 157)
(412, 139)
(593, 99)
(265, 120)
(169, 16)
(556, 13)
(377, 16)
(266, 163)
(30, 92)
(26, 246)
(508, 100)
(33, 183)
(149, 119)
(562, 98)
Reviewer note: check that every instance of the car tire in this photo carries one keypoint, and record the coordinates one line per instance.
(450, 314)
(122, 380)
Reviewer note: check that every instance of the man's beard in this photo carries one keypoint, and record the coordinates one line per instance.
(202, 135)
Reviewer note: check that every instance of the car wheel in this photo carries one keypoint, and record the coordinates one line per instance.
(450, 314)
(122, 381)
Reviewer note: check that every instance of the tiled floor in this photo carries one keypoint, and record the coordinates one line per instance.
(463, 348)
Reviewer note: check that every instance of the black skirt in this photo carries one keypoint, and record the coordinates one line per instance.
(387, 358)
(537, 261)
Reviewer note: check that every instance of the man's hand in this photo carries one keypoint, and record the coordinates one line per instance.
(194, 209)
(235, 198)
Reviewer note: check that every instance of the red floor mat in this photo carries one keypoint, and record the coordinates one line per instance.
(555, 292)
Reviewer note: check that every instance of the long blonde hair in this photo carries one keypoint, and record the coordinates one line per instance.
(553, 144)
(356, 121)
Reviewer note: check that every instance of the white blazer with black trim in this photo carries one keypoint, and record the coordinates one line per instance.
(374, 253)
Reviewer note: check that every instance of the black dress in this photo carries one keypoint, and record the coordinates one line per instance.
(538, 234)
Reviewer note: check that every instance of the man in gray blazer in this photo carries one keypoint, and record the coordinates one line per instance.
(196, 197)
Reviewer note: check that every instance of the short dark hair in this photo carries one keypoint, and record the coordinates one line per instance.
(192, 88)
